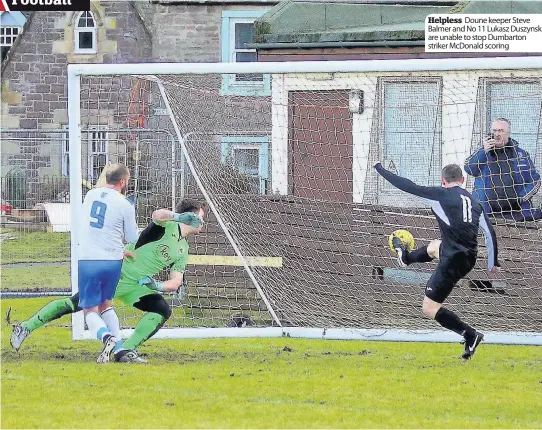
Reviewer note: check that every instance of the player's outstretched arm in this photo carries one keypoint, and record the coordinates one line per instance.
(164, 215)
(491, 243)
(173, 284)
(404, 184)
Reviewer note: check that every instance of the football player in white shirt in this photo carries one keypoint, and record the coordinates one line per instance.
(109, 222)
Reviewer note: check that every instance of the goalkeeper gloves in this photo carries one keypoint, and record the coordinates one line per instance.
(188, 218)
(155, 285)
(151, 283)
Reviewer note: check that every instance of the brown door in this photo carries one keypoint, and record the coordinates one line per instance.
(320, 145)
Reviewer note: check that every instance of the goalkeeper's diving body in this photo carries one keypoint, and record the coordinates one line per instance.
(161, 245)
(460, 217)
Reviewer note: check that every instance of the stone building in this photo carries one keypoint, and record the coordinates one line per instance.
(34, 84)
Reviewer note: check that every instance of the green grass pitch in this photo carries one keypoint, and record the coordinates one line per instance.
(262, 383)
(255, 383)
(34, 247)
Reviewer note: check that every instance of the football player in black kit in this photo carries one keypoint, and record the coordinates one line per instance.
(459, 217)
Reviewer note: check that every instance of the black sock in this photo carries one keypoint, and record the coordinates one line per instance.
(419, 255)
(451, 321)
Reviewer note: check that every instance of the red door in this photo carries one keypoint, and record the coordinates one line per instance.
(320, 145)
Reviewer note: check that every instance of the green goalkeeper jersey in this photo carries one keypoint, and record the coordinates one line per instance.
(159, 246)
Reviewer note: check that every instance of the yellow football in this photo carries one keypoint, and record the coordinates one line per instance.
(406, 238)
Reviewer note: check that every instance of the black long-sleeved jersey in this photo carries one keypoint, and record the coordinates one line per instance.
(458, 214)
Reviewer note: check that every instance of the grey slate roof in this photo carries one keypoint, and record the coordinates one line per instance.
(294, 22)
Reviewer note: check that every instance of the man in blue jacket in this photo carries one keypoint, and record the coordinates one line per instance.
(506, 178)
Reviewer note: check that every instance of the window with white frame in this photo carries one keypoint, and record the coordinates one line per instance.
(85, 33)
(98, 154)
(250, 156)
(8, 35)
(242, 34)
(519, 101)
(7, 38)
(237, 33)
(410, 140)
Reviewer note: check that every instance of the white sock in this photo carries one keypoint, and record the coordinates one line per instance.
(112, 320)
(96, 325)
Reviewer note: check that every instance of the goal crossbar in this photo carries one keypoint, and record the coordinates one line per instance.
(530, 62)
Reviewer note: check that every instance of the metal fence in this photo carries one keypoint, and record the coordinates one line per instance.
(35, 163)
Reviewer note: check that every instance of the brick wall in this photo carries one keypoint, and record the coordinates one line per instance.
(190, 33)
(35, 76)
(34, 83)
(187, 33)
(128, 22)
(34, 79)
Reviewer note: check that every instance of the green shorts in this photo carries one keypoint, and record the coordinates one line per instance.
(129, 292)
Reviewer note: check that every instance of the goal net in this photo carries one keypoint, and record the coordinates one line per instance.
(296, 236)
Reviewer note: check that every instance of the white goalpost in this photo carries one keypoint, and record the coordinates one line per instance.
(296, 240)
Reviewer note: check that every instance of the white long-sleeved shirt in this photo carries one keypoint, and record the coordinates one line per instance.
(108, 221)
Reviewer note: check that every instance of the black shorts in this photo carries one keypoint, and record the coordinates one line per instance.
(448, 272)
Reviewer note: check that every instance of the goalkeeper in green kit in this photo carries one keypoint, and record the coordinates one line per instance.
(162, 244)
